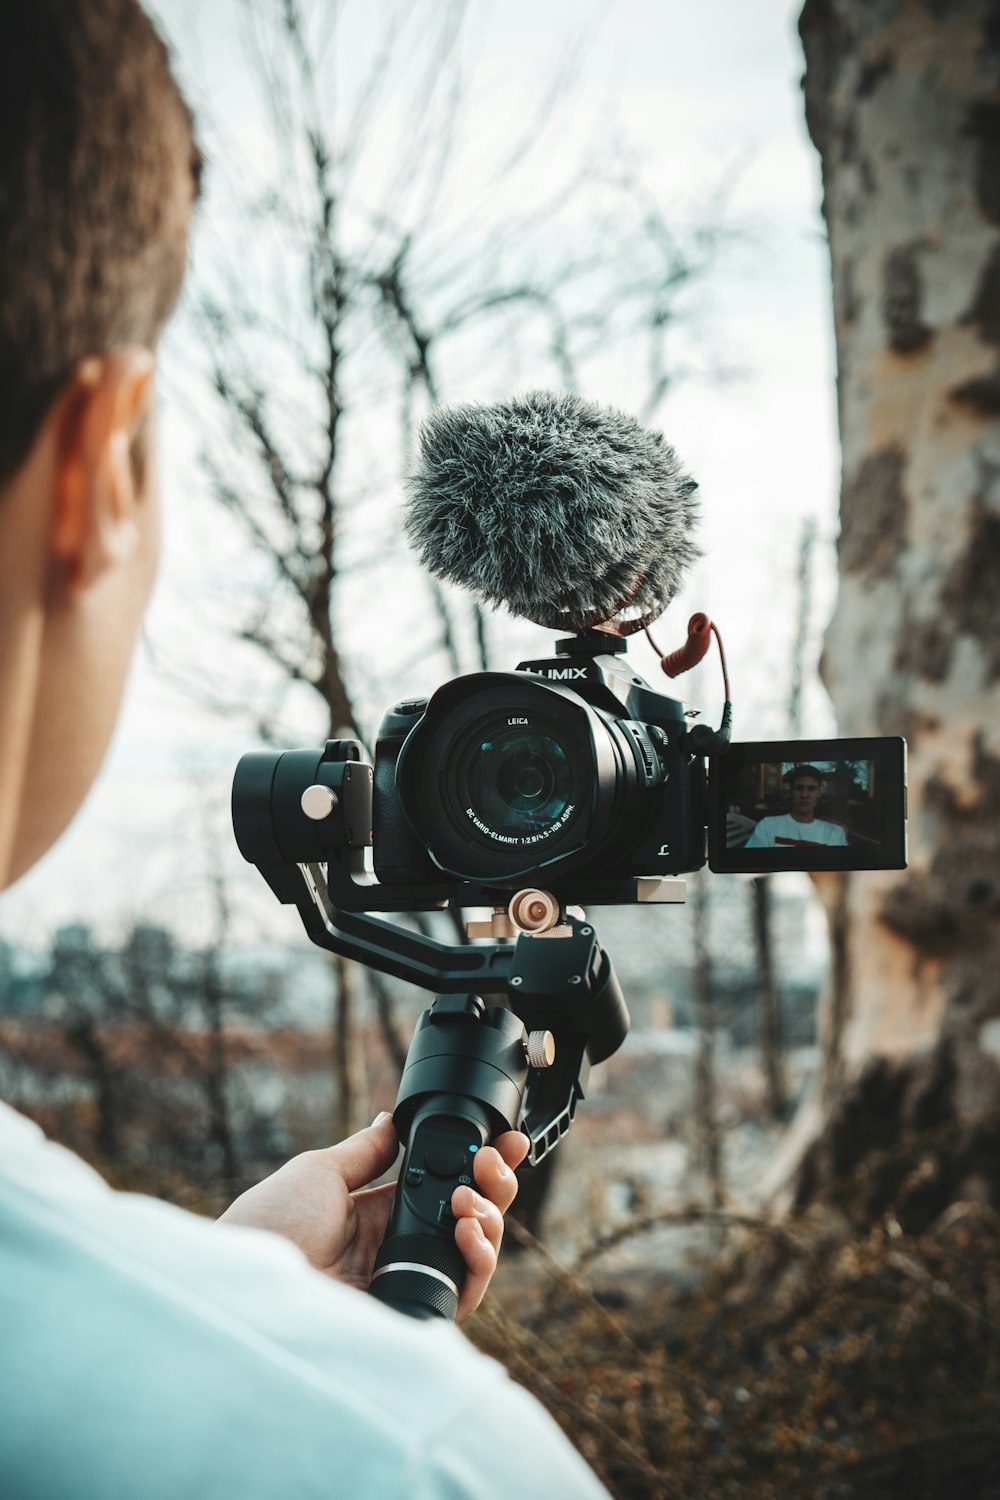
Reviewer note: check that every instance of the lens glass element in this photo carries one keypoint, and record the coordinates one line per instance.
(518, 782)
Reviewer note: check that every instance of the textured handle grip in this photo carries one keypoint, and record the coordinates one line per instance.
(419, 1268)
(420, 1274)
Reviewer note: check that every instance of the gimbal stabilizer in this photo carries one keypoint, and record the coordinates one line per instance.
(508, 1044)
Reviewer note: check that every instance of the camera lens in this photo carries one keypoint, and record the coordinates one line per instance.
(518, 781)
(506, 775)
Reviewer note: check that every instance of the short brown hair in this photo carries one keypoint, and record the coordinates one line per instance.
(98, 168)
(793, 775)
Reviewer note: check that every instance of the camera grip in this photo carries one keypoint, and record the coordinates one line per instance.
(419, 1268)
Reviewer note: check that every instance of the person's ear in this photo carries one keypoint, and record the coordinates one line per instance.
(96, 494)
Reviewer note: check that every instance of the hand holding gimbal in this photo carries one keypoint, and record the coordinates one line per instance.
(507, 1045)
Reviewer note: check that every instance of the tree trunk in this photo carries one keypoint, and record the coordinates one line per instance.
(348, 1056)
(768, 1000)
(84, 1034)
(708, 1138)
(903, 104)
(216, 1068)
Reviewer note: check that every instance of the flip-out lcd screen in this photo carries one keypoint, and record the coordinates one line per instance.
(809, 805)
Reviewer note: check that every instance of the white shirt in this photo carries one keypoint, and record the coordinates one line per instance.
(147, 1354)
(772, 832)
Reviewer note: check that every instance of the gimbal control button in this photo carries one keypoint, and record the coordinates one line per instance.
(446, 1161)
(318, 802)
(415, 1176)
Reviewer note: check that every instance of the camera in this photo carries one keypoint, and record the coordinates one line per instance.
(567, 782)
(569, 771)
(573, 773)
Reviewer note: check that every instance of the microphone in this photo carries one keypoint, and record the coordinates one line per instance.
(569, 513)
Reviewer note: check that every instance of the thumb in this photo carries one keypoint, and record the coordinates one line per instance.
(366, 1155)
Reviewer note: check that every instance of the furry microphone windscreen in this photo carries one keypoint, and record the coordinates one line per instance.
(567, 512)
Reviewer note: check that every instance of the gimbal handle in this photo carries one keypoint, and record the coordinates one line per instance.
(463, 1084)
(472, 1072)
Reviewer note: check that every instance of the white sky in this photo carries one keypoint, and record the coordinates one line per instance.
(697, 90)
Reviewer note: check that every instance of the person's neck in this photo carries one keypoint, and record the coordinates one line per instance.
(22, 629)
(800, 819)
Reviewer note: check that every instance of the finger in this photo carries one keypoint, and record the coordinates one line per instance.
(373, 1208)
(467, 1204)
(513, 1146)
(378, 1199)
(481, 1261)
(366, 1155)
(494, 1178)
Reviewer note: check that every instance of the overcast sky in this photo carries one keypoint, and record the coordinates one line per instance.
(699, 93)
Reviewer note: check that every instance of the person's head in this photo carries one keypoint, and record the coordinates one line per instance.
(98, 173)
(805, 784)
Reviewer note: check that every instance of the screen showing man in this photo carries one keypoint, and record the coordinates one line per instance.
(799, 825)
(801, 805)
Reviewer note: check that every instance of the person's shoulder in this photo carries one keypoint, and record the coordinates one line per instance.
(769, 823)
(41, 1166)
(148, 1308)
(247, 1284)
(836, 833)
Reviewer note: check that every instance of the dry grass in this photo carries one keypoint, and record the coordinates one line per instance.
(809, 1362)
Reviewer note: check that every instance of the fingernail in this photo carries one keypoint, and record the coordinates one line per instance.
(480, 1205)
(504, 1169)
(383, 1114)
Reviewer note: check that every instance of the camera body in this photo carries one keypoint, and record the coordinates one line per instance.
(567, 771)
(570, 774)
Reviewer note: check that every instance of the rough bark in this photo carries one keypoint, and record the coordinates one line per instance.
(903, 103)
(350, 1103)
(708, 1136)
(768, 1000)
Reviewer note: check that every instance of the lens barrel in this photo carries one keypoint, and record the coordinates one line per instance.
(505, 776)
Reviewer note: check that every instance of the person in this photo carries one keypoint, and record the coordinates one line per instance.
(146, 1352)
(800, 825)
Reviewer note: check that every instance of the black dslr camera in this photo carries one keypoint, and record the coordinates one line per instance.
(573, 773)
(570, 773)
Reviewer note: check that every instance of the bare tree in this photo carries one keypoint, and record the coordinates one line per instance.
(92, 1003)
(212, 994)
(708, 1135)
(903, 106)
(139, 1029)
(768, 996)
(360, 321)
(761, 889)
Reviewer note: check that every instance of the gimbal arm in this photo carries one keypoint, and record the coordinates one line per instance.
(449, 968)
(564, 985)
(475, 1069)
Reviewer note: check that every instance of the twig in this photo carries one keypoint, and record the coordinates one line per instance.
(678, 1217)
(935, 1287)
(569, 1281)
(526, 1365)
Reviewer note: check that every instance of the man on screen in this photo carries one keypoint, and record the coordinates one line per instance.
(800, 825)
